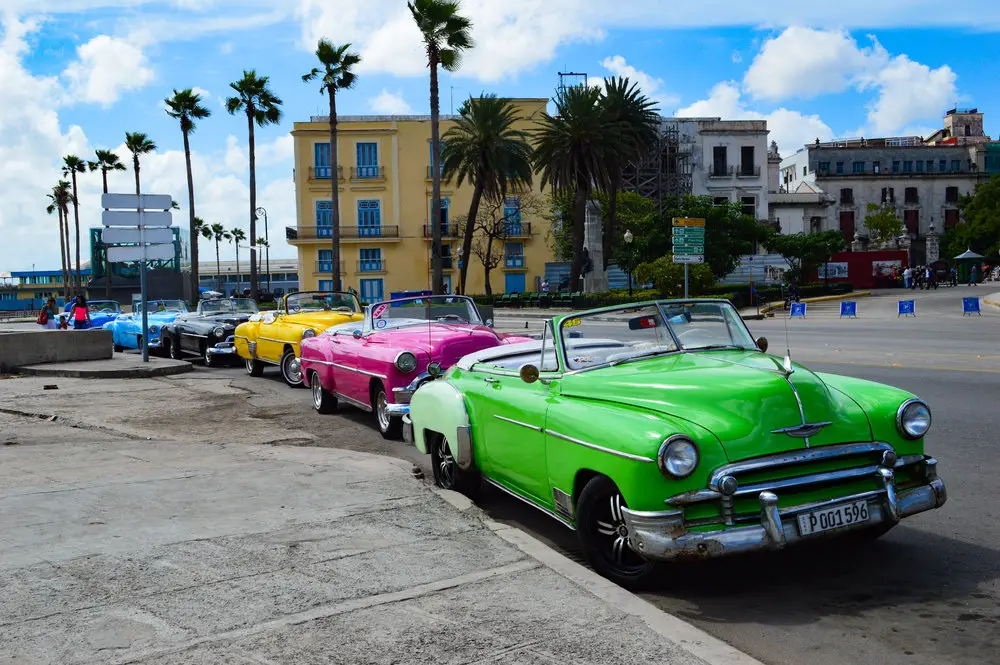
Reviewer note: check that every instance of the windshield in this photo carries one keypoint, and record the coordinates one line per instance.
(420, 311)
(315, 301)
(154, 306)
(653, 329)
(109, 306)
(229, 306)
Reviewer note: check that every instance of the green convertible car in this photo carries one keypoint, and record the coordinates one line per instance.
(663, 431)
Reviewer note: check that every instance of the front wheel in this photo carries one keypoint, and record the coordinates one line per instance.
(600, 526)
(447, 475)
(291, 369)
(174, 346)
(254, 367)
(208, 357)
(388, 426)
(323, 401)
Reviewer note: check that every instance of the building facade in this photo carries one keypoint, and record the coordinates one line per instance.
(229, 276)
(384, 181)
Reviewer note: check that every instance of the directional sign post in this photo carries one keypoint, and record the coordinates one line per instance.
(689, 243)
(138, 231)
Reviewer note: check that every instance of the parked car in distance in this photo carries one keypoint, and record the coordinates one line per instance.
(662, 432)
(209, 331)
(376, 365)
(127, 330)
(274, 337)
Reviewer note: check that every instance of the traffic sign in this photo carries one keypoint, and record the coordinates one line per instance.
(689, 249)
(689, 258)
(135, 218)
(123, 236)
(688, 232)
(689, 221)
(159, 252)
(145, 201)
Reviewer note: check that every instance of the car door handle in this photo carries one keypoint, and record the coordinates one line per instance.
(490, 379)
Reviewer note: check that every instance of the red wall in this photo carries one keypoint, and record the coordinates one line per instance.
(859, 266)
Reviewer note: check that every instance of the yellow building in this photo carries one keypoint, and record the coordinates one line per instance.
(385, 191)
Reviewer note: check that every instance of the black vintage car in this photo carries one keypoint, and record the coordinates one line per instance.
(207, 332)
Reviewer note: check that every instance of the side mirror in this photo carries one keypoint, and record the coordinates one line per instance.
(529, 373)
(762, 344)
(356, 334)
(489, 323)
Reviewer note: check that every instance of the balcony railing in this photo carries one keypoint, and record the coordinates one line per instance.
(372, 266)
(517, 229)
(430, 171)
(447, 263)
(515, 262)
(447, 230)
(721, 171)
(347, 232)
(324, 172)
(367, 173)
(323, 267)
(748, 172)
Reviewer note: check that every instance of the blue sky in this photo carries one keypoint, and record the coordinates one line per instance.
(77, 74)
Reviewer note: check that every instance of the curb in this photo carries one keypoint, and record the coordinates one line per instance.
(845, 296)
(692, 639)
(124, 373)
(993, 299)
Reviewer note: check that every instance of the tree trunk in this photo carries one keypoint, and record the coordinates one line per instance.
(218, 267)
(107, 261)
(579, 225)
(253, 207)
(135, 167)
(239, 280)
(191, 225)
(62, 253)
(334, 193)
(611, 223)
(486, 265)
(69, 253)
(470, 228)
(76, 220)
(437, 281)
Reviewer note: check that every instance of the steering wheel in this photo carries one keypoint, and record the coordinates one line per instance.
(295, 308)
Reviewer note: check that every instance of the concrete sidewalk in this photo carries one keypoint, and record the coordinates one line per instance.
(120, 366)
(118, 550)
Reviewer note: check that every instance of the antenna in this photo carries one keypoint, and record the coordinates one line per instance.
(787, 362)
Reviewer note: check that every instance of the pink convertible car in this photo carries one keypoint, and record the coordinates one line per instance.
(376, 365)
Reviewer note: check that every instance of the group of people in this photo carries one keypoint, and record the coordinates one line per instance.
(50, 318)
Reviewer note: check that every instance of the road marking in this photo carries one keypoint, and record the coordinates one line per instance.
(860, 364)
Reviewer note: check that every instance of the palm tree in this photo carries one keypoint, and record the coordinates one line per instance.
(59, 198)
(217, 233)
(185, 105)
(106, 161)
(484, 148)
(254, 97)
(571, 153)
(138, 144)
(237, 236)
(446, 34)
(637, 124)
(336, 75)
(71, 166)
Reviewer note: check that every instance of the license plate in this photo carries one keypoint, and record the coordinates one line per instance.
(834, 517)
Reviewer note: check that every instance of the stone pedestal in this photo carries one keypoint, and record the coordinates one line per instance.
(596, 281)
(933, 245)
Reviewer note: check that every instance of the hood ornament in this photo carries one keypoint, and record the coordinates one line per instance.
(803, 431)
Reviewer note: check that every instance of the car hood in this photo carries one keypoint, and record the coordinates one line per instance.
(232, 320)
(740, 396)
(443, 343)
(321, 320)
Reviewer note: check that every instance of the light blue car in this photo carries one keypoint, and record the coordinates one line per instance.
(126, 330)
(101, 312)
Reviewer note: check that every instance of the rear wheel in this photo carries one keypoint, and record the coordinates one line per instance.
(323, 401)
(291, 369)
(389, 427)
(600, 525)
(254, 367)
(447, 475)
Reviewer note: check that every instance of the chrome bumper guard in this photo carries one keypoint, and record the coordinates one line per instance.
(662, 535)
(407, 429)
(401, 396)
(226, 348)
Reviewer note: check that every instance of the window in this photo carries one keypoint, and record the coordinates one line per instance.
(372, 290)
(895, 166)
(942, 165)
(325, 263)
(876, 165)
(951, 195)
(847, 225)
(907, 166)
(720, 201)
(369, 219)
(325, 285)
(749, 204)
(370, 260)
(911, 219)
(858, 167)
(321, 159)
(956, 165)
(824, 167)
(720, 161)
(512, 215)
(840, 168)
(815, 224)
(430, 158)
(367, 160)
(513, 255)
(888, 195)
(324, 219)
(968, 130)
(292, 277)
(930, 164)
(443, 215)
(446, 258)
(920, 166)
(910, 194)
(746, 161)
(805, 171)
(846, 196)
(950, 218)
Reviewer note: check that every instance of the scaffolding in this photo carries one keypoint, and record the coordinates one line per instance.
(572, 79)
(666, 171)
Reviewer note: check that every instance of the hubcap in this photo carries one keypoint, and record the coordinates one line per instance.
(614, 533)
(446, 466)
(249, 364)
(380, 411)
(293, 370)
(317, 391)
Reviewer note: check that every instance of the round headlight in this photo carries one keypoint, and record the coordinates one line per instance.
(434, 369)
(153, 330)
(678, 457)
(307, 333)
(406, 362)
(913, 419)
(219, 332)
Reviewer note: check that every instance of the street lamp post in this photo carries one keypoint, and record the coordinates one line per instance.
(628, 243)
(267, 247)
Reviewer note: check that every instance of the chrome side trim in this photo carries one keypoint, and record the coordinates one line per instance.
(696, 496)
(360, 371)
(798, 400)
(593, 446)
(318, 362)
(277, 341)
(559, 518)
(518, 422)
(796, 457)
(353, 402)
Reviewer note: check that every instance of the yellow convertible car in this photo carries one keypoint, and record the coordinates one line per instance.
(272, 338)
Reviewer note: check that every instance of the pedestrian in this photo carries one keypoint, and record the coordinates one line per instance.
(928, 276)
(907, 277)
(48, 318)
(80, 314)
(545, 286)
(954, 276)
(974, 275)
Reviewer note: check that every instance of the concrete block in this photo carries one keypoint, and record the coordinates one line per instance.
(52, 346)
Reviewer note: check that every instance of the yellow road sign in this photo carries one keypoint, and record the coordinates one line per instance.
(689, 221)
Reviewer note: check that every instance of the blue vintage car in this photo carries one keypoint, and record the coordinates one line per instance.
(126, 330)
(101, 311)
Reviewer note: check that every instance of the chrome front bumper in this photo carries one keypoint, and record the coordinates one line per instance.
(662, 536)
(401, 396)
(227, 348)
(407, 429)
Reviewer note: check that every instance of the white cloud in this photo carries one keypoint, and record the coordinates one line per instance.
(205, 94)
(908, 91)
(652, 87)
(390, 103)
(790, 129)
(105, 68)
(236, 159)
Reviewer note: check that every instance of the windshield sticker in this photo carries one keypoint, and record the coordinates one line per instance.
(378, 311)
(381, 323)
(572, 322)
